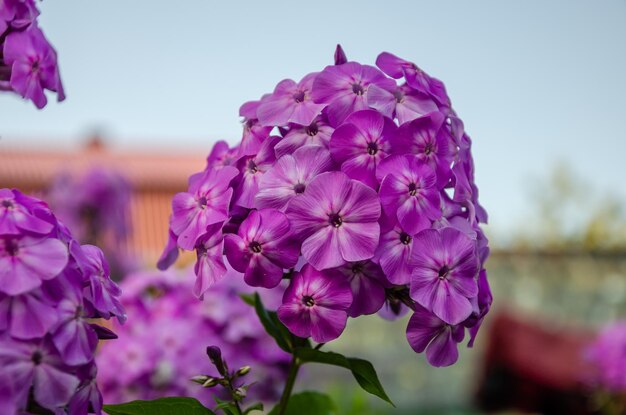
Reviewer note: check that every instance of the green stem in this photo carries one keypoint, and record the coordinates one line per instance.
(291, 380)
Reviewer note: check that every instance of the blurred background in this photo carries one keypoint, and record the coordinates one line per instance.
(539, 85)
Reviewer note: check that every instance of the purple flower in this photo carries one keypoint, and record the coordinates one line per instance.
(204, 204)
(148, 362)
(340, 56)
(316, 133)
(315, 304)
(426, 331)
(73, 336)
(428, 138)
(337, 219)
(254, 134)
(367, 283)
(361, 142)
(27, 261)
(404, 103)
(393, 254)
(252, 169)
(290, 176)
(36, 363)
(33, 64)
(345, 87)
(17, 214)
(607, 355)
(88, 396)
(444, 273)
(408, 191)
(290, 103)
(262, 248)
(482, 306)
(222, 155)
(416, 78)
(101, 291)
(170, 252)
(209, 266)
(27, 316)
(17, 14)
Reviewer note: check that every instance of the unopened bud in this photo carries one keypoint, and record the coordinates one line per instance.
(210, 382)
(240, 393)
(200, 379)
(243, 371)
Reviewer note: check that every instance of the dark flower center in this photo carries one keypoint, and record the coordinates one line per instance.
(299, 188)
(255, 247)
(35, 67)
(335, 220)
(443, 272)
(429, 149)
(311, 130)
(358, 89)
(11, 247)
(399, 96)
(299, 96)
(202, 202)
(6, 203)
(252, 167)
(78, 313)
(357, 268)
(405, 238)
(372, 148)
(413, 188)
(37, 357)
(308, 301)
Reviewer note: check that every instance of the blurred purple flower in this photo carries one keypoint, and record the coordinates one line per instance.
(26, 261)
(33, 64)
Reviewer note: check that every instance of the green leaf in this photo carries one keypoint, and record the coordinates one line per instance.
(226, 406)
(362, 370)
(247, 298)
(255, 407)
(308, 403)
(163, 406)
(272, 325)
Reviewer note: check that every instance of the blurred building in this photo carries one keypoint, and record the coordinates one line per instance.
(154, 177)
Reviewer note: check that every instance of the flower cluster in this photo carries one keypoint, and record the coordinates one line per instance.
(95, 205)
(28, 63)
(51, 289)
(359, 190)
(147, 362)
(607, 354)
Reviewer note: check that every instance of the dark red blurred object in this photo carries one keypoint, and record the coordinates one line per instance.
(533, 366)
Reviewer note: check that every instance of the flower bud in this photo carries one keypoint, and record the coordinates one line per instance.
(215, 354)
(243, 371)
(240, 393)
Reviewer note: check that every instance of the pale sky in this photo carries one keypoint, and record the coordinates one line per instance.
(536, 82)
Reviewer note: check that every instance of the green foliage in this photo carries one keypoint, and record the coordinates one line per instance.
(308, 403)
(254, 407)
(164, 406)
(362, 370)
(273, 326)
